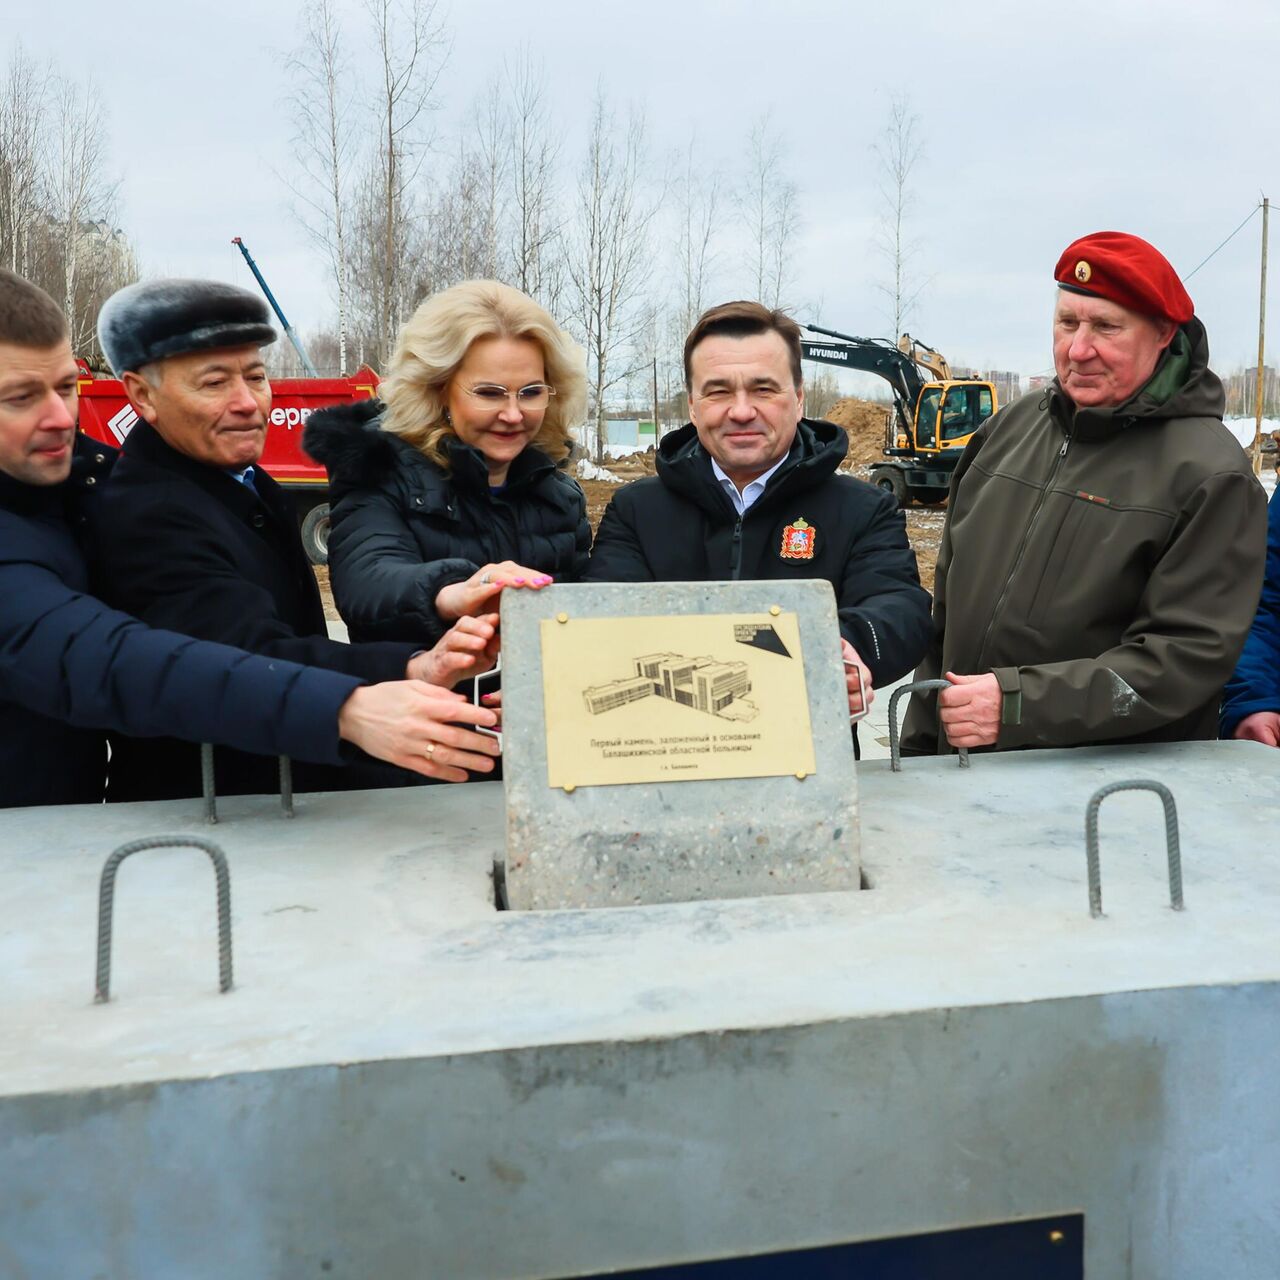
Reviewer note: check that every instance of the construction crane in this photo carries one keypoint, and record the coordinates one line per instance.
(275, 306)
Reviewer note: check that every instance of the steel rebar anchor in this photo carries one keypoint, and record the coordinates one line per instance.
(895, 746)
(1173, 845)
(106, 905)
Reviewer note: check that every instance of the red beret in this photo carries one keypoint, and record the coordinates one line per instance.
(1126, 270)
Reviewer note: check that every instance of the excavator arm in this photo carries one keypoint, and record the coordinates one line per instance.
(870, 355)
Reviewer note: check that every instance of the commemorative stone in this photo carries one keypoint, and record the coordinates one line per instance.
(666, 742)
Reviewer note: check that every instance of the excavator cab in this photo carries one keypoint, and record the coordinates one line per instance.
(948, 413)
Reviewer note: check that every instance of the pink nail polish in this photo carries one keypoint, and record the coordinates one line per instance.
(519, 582)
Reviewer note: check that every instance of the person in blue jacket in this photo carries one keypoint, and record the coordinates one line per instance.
(71, 668)
(1251, 707)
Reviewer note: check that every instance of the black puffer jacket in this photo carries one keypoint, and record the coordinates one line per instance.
(679, 526)
(402, 528)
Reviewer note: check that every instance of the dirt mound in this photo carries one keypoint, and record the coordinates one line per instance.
(634, 466)
(863, 420)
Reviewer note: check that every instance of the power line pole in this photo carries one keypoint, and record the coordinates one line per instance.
(1262, 333)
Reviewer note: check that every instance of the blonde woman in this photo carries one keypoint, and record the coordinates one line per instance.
(450, 489)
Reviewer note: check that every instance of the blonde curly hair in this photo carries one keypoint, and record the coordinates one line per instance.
(435, 340)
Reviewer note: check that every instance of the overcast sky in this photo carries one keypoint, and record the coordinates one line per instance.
(1040, 123)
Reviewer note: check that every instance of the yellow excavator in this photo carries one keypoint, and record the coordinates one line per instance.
(932, 418)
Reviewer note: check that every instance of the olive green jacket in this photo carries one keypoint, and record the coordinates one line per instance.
(1105, 564)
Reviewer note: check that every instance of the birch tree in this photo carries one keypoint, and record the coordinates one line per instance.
(609, 263)
(24, 107)
(492, 149)
(324, 119)
(79, 190)
(534, 155)
(411, 49)
(697, 219)
(769, 204)
(897, 152)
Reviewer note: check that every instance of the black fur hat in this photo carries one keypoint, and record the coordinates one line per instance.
(159, 318)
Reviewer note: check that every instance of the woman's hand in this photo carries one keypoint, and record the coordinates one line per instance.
(468, 648)
(493, 702)
(466, 599)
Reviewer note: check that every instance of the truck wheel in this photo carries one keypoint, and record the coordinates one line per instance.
(892, 481)
(315, 533)
(930, 496)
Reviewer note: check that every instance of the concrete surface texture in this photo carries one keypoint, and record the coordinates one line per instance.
(609, 846)
(406, 1082)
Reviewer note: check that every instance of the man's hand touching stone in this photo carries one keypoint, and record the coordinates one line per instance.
(419, 727)
(1262, 726)
(468, 648)
(970, 710)
(853, 664)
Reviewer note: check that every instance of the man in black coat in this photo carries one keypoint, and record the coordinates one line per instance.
(70, 667)
(191, 535)
(749, 489)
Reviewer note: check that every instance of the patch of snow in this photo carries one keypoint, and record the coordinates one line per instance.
(1242, 428)
(587, 470)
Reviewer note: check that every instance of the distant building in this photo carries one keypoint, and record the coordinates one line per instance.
(1242, 392)
(636, 432)
(1008, 385)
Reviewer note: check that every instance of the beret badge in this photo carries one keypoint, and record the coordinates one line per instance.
(1083, 271)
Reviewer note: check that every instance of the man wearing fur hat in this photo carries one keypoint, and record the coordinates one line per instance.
(1105, 539)
(190, 534)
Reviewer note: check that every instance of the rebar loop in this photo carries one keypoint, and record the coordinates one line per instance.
(1173, 845)
(106, 905)
(286, 786)
(895, 747)
(206, 783)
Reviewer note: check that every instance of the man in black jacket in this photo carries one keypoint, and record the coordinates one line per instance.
(70, 667)
(749, 489)
(191, 535)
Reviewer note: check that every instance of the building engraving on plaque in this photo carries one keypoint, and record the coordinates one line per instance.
(702, 683)
(674, 698)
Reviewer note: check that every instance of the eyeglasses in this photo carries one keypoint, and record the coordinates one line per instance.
(535, 396)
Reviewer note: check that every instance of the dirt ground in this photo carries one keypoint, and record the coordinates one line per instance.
(326, 595)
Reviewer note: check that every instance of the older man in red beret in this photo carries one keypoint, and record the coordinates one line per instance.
(1105, 541)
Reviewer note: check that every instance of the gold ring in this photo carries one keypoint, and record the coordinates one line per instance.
(431, 750)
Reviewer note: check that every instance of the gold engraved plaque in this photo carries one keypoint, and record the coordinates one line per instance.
(674, 699)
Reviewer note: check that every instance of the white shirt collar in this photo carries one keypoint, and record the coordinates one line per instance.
(743, 501)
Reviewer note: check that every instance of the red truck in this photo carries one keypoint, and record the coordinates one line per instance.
(106, 414)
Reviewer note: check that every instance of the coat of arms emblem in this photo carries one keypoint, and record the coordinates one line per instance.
(798, 540)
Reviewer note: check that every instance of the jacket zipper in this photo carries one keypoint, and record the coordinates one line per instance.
(875, 640)
(1022, 549)
(735, 556)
